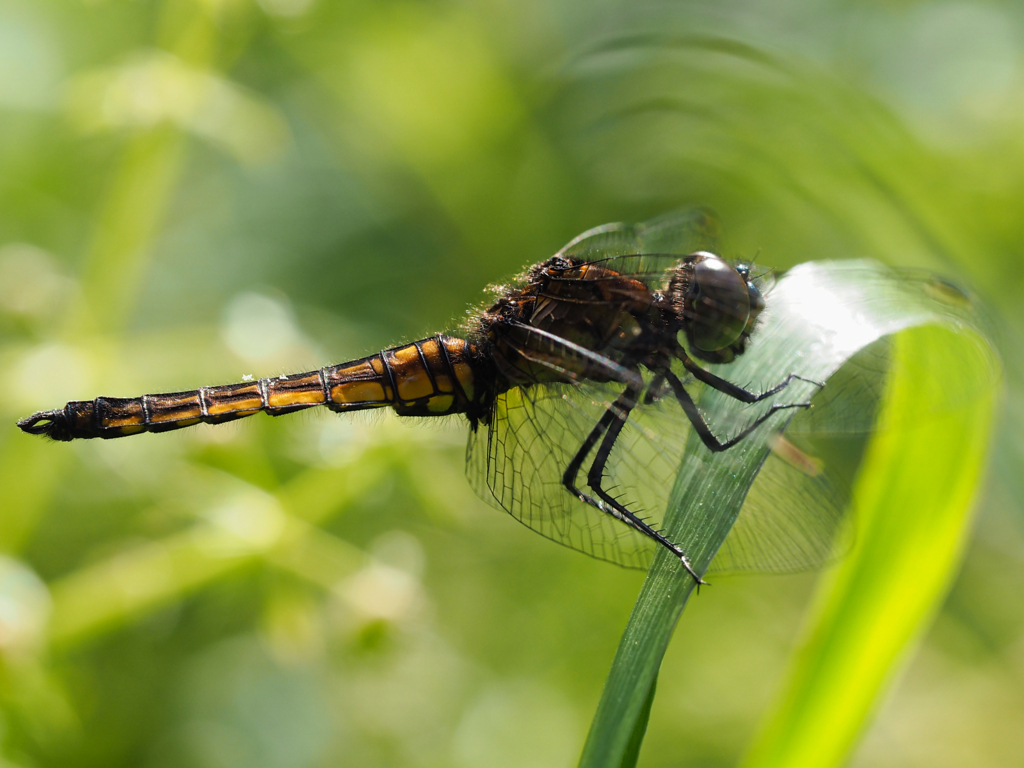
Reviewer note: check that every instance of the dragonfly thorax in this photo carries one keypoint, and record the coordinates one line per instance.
(536, 331)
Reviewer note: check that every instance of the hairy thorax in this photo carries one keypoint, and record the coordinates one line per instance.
(594, 308)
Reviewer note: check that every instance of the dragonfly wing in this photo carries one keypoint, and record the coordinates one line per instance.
(647, 251)
(679, 232)
(517, 464)
(795, 517)
(518, 461)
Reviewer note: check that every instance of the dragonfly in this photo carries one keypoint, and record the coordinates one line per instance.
(576, 380)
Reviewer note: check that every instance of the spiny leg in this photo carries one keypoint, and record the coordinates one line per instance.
(595, 476)
(734, 390)
(573, 469)
(701, 426)
(612, 422)
(655, 390)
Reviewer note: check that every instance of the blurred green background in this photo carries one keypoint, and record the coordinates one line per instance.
(195, 191)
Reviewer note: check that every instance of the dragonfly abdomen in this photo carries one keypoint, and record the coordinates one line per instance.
(430, 377)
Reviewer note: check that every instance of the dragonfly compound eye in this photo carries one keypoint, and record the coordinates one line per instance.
(718, 304)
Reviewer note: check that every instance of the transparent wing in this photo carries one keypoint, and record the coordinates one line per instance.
(793, 518)
(648, 250)
(517, 463)
(796, 516)
(679, 232)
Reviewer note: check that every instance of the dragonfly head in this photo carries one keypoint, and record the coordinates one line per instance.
(717, 305)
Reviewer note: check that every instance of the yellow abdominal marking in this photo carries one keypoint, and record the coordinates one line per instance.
(125, 422)
(465, 376)
(415, 386)
(440, 403)
(358, 392)
(243, 407)
(298, 397)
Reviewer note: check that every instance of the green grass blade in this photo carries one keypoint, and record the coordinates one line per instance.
(636, 739)
(914, 499)
(822, 314)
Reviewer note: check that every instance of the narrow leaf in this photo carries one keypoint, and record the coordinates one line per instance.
(820, 316)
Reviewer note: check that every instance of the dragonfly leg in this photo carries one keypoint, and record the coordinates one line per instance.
(573, 470)
(595, 478)
(655, 390)
(734, 390)
(701, 426)
(610, 425)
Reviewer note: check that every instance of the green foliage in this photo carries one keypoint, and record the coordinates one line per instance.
(195, 191)
(913, 504)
